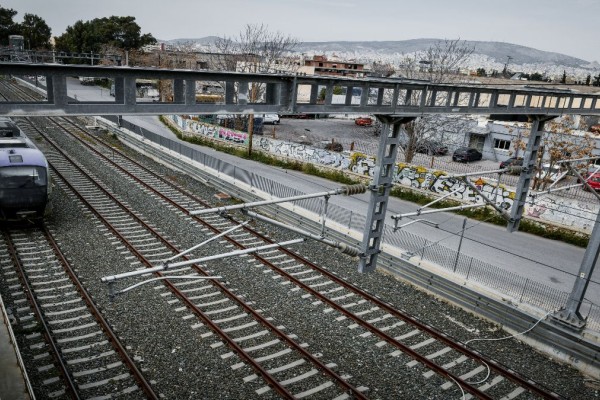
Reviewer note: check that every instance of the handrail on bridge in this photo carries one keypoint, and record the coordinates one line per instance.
(291, 93)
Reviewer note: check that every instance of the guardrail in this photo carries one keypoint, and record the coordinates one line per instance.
(506, 285)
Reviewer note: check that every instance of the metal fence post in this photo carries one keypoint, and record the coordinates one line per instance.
(469, 270)
(523, 292)
(462, 234)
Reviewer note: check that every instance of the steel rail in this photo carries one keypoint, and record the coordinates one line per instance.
(265, 374)
(71, 386)
(441, 371)
(496, 367)
(114, 339)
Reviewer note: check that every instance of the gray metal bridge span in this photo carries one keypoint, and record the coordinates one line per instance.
(393, 101)
(291, 93)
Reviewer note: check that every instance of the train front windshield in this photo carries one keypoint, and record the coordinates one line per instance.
(22, 177)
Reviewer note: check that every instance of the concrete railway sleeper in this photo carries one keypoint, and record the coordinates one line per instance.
(89, 359)
(351, 290)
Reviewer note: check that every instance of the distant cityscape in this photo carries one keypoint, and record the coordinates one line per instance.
(491, 56)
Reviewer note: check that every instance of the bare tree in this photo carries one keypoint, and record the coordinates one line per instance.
(382, 70)
(258, 50)
(440, 63)
(561, 140)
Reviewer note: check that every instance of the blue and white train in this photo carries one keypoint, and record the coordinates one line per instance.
(24, 176)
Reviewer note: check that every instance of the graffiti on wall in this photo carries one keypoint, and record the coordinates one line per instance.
(571, 213)
(304, 153)
(193, 127)
(437, 181)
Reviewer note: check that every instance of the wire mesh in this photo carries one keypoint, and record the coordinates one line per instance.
(472, 269)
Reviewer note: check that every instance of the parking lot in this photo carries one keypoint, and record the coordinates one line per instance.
(318, 132)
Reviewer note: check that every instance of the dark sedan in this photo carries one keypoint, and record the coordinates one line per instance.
(512, 162)
(432, 148)
(466, 154)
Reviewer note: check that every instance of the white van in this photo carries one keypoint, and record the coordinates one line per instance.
(269, 118)
(554, 174)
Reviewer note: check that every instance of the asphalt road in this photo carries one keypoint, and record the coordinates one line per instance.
(546, 261)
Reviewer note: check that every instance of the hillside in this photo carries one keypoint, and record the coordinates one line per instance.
(488, 54)
(497, 51)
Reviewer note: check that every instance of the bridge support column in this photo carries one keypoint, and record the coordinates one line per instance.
(380, 191)
(178, 94)
(56, 90)
(529, 159)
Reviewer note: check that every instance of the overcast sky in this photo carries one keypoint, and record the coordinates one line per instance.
(564, 26)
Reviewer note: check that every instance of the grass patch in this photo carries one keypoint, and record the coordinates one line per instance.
(486, 214)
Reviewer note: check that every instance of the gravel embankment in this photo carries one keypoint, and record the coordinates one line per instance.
(182, 363)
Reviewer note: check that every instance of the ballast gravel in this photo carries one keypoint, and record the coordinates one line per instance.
(181, 362)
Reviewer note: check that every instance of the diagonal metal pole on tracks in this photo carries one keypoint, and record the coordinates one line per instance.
(380, 190)
(570, 315)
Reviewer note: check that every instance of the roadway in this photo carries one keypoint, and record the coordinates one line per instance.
(542, 260)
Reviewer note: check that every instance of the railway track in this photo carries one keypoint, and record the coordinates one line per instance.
(394, 328)
(279, 358)
(235, 322)
(77, 353)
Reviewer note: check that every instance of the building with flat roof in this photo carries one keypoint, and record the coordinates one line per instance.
(321, 65)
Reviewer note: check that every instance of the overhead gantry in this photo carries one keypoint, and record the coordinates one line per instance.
(394, 101)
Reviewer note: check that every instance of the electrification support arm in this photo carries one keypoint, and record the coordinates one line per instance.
(570, 315)
(380, 190)
(484, 197)
(529, 159)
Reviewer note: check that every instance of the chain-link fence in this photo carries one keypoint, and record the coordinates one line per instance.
(505, 283)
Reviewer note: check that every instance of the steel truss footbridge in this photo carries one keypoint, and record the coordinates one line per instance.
(394, 101)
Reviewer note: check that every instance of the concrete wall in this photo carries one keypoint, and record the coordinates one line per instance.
(575, 214)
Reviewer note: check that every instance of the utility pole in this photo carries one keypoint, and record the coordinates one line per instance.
(508, 58)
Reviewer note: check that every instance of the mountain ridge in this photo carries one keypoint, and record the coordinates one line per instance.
(496, 51)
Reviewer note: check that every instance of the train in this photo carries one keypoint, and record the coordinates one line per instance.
(25, 184)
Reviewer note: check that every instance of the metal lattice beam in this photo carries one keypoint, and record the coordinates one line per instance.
(529, 160)
(380, 191)
(291, 93)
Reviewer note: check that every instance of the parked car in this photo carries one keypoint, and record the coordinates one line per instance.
(268, 118)
(551, 174)
(466, 154)
(592, 175)
(512, 162)
(363, 121)
(593, 179)
(432, 148)
(298, 116)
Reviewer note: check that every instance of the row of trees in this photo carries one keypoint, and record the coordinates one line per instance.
(33, 28)
(92, 36)
(101, 34)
